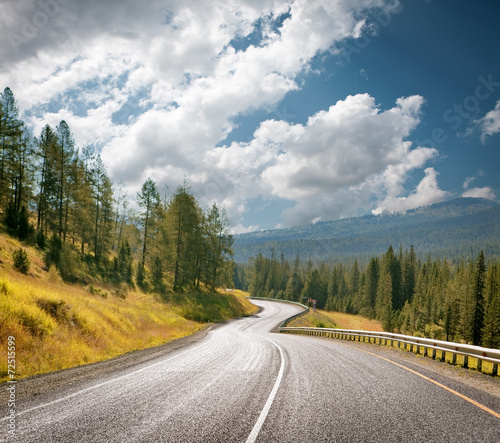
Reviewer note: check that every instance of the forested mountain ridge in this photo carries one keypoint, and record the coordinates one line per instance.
(456, 228)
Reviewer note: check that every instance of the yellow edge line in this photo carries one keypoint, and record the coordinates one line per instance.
(475, 403)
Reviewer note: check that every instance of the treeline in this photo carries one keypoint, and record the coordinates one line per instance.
(457, 301)
(61, 199)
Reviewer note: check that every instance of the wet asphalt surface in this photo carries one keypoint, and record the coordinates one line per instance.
(238, 382)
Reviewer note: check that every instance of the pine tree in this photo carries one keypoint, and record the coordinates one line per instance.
(157, 275)
(491, 329)
(15, 154)
(467, 305)
(24, 229)
(408, 275)
(260, 269)
(370, 287)
(84, 207)
(124, 262)
(148, 199)
(47, 182)
(65, 156)
(184, 218)
(218, 248)
(102, 193)
(478, 300)
(315, 289)
(21, 261)
(384, 302)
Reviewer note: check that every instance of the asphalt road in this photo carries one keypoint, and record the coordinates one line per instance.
(242, 383)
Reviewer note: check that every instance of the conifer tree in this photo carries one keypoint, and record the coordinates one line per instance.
(315, 289)
(184, 218)
(370, 288)
(102, 193)
(218, 247)
(148, 199)
(491, 329)
(478, 299)
(65, 156)
(15, 153)
(47, 146)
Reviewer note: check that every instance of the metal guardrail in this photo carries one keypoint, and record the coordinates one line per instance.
(415, 344)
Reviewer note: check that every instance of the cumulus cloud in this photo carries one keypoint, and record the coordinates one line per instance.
(195, 67)
(426, 193)
(340, 147)
(485, 192)
(335, 163)
(477, 192)
(490, 123)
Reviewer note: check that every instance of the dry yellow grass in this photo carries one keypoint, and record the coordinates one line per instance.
(58, 325)
(329, 319)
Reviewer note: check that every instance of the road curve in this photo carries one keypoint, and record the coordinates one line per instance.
(242, 383)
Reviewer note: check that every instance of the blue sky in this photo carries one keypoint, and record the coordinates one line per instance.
(284, 112)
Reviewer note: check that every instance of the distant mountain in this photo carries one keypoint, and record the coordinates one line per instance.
(456, 228)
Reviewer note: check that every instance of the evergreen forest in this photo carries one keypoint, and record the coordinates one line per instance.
(58, 197)
(447, 300)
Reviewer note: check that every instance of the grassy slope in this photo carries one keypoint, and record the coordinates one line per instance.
(328, 319)
(57, 325)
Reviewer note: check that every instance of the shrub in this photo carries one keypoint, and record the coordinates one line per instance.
(53, 274)
(435, 331)
(21, 262)
(57, 309)
(97, 291)
(4, 288)
(140, 277)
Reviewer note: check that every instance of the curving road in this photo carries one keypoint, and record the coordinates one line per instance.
(242, 383)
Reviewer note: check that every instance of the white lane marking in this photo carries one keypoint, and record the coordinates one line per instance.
(263, 415)
(90, 388)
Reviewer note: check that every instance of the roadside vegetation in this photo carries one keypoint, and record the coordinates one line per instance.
(82, 276)
(58, 325)
(452, 300)
(339, 320)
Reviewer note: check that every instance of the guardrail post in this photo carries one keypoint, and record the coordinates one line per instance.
(454, 358)
(466, 362)
(494, 371)
(479, 365)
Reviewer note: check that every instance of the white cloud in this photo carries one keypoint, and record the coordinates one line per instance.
(341, 147)
(468, 182)
(182, 61)
(426, 193)
(334, 164)
(485, 192)
(240, 229)
(490, 123)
